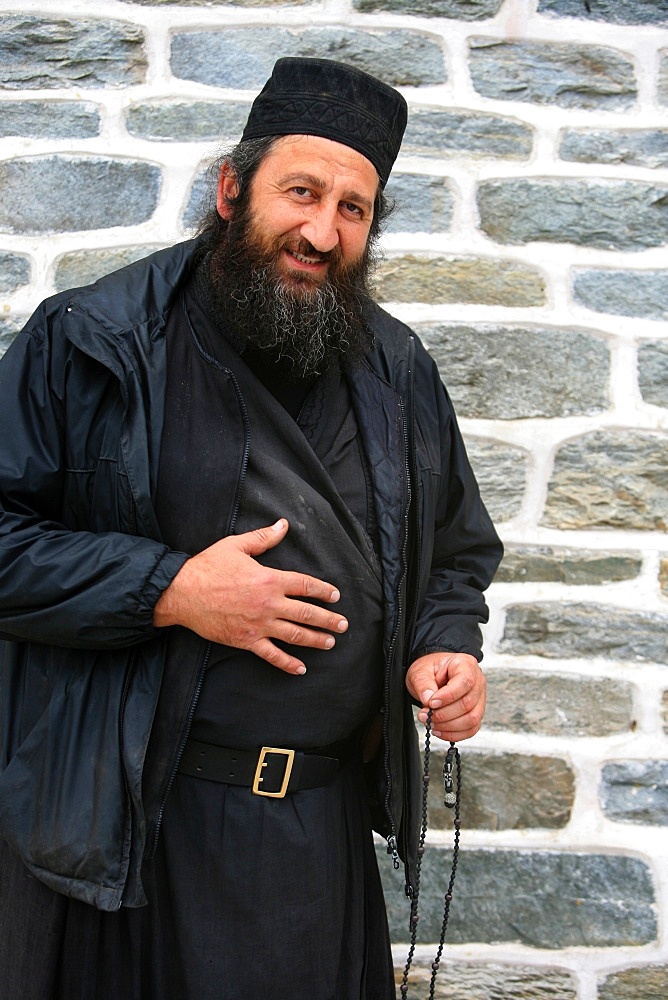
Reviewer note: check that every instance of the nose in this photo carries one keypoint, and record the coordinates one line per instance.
(320, 229)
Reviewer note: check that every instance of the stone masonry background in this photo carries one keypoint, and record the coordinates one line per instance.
(529, 251)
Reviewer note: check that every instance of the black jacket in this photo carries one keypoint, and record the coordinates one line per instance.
(88, 748)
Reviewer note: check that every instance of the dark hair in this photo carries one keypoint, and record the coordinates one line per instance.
(244, 160)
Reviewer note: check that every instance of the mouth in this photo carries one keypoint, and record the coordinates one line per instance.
(303, 259)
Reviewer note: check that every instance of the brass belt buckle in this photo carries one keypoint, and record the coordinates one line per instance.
(261, 762)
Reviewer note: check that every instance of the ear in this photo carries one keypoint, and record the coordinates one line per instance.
(227, 189)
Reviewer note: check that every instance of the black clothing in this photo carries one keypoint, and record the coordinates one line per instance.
(278, 376)
(302, 869)
(244, 702)
(275, 930)
(82, 564)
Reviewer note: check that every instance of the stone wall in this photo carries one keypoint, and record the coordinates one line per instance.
(529, 251)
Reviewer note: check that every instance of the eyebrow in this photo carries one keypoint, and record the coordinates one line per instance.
(310, 180)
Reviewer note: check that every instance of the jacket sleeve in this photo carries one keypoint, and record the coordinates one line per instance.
(460, 549)
(70, 588)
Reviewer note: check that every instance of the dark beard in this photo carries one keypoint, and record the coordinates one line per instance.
(307, 326)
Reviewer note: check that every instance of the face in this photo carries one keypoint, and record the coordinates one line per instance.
(312, 203)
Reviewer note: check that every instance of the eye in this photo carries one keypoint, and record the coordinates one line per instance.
(301, 192)
(352, 209)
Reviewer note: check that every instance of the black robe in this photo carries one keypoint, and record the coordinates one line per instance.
(251, 897)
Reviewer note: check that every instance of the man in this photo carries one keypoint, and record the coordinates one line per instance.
(240, 539)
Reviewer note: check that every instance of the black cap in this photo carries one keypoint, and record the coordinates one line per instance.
(333, 100)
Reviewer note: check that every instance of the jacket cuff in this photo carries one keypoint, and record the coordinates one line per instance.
(166, 568)
(442, 648)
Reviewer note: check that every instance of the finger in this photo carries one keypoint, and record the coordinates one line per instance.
(266, 650)
(471, 701)
(460, 729)
(449, 694)
(254, 543)
(463, 719)
(302, 585)
(296, 635)
(311, 615)
(463, 685)
(422, 685)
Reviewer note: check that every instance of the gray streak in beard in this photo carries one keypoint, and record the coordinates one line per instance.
(308, 326)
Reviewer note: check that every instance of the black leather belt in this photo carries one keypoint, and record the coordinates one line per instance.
(268, 771)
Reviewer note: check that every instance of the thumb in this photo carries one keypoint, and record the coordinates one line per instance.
(421, 680)
(254, 543)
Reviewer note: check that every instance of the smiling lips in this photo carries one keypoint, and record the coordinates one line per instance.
(306, 260)
(305, 253)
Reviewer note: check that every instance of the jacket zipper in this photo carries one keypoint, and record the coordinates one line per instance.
(177, 760)
(413, 478)
(392, 846)
(121, 738)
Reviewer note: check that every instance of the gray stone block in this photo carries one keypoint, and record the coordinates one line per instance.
(566, 74)
(541, 899)
(244, 57)
(610, 479)
(8, 329)
(561, 630)
(422, 204)
(642, 982)
(475, 134)
(636, 791)
(639, 147)
(49, 119)
(613, 11)
(14, 271)
(63, 193)
(557, 704)
(509, 373)
(504, 791)
(627, 293)
(461, 10)
(81, 267)
(544, 564)
(187, 121)
(482, 280)
(501, 473)
(43, 53)
(610, 215)
(665, 711)
(653, 372)
(489, 981)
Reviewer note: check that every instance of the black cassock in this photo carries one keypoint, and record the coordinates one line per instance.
(250, 898)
